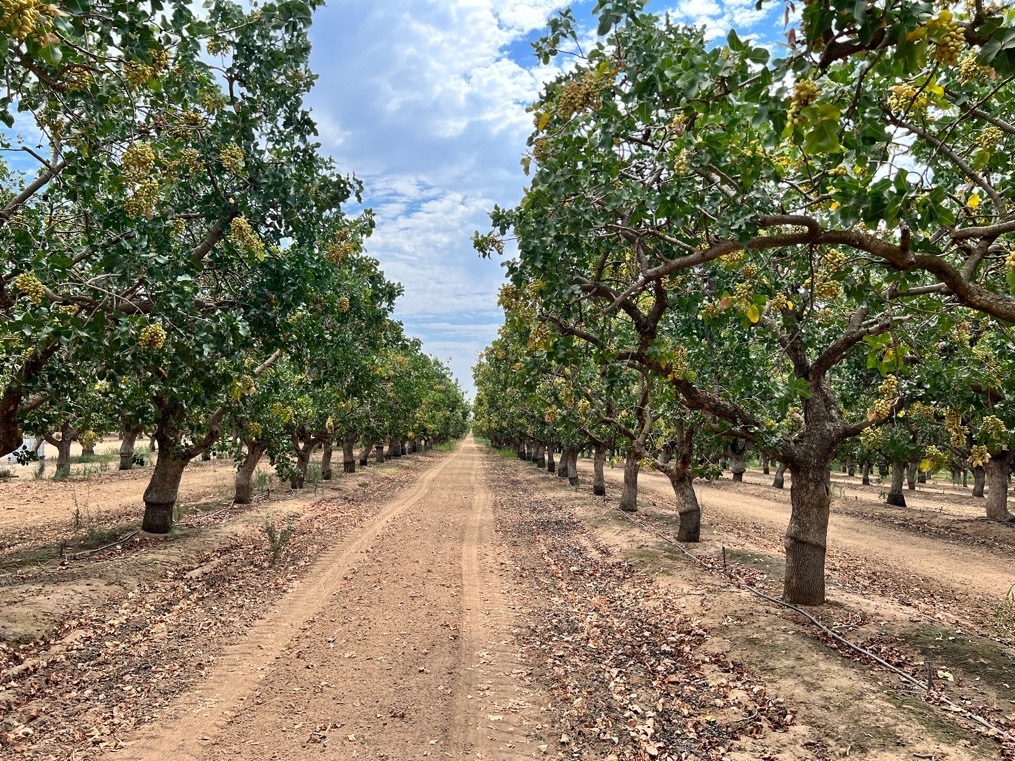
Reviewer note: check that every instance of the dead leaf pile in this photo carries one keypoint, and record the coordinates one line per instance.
(634, 674)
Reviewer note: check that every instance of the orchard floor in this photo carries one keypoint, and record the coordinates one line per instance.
(464, 605)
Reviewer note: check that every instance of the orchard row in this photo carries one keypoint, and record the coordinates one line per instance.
(808, 257)
(176, 258)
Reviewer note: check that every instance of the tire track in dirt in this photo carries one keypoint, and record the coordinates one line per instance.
(495, 706)
(199, 714)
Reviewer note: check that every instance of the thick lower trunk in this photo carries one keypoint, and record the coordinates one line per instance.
(88, 451)
(882, 469)
(978, 481)
(866, 480)
(392, 444)
(299, 477)
(956, 477)
(921, 477)
(62, 457)
(540, 459)
(598, 474)
(364, 456)
(850, 466)
(326, 453)
(563, 465)
(779, 481)
(244, 491)
(965, 478)
(521, 451)
(810, 496)
(163, 490)
(895, 496)
(379, 452)
(687, 507)
(572, 465)
(349, 456)
(10, 432)
(911, 475)
(738, 466)
(764, 465)
(127, 447)
(629, 497)
(551, 466)
(997, 486)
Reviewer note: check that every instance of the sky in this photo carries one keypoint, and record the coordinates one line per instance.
(425, 101)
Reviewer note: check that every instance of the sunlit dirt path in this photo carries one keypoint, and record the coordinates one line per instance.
(396, 646)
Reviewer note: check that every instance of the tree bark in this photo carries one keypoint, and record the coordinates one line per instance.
(379, 452)
(921, 477)
(687, 506)
(810, 497)
(244, 491)
(850, 466)
(163, 489)
(326, 470)
(764, 465)
(895, 496)
(562, 465)
(127, 447)
(737, 450)
(599, 476)
(551, 466)
(629, 497)
(364, 456)
(540, 459)
(996, 472)
(979, 478)
(299, 477)
(571, 455)
(62, 445)
(349, 455)
(911, 475)
(866, 480)
(521, 451)
(779, 482)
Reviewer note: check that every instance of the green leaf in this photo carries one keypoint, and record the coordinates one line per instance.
(753, 313)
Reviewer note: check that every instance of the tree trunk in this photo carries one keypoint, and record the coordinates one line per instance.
(599, 477)
(163, 489)
(349, 456)
(364, 456)
(687, 506)
(895, 496)
(921, 477)
(850, 466)
(62, 445)
(540, 459)
(629, 497)
(882, 469)
(299, 477)
(88, 451)
(326, 472)
(779, 481)
(244, 492)
(127, 447)
(866, 470)
(810, 496)
(911, 475)
(737, 465)
(571, 454)
(965, 478)
(562, 465)
(956, 477)
(379, 454)
(764, 465)
(979, 476)
(520, 450)
(391, 448)
(996, 472)
(551, 466)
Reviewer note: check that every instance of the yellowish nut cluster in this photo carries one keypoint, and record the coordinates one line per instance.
(970, 68)
(190, 159)
(541, 149)
(22, 17)
(216, 46)
(838, 171)
(578, 95)
(827, 289)
(28, 284)
(343, 304)
(743, 291)
(805, 92)
(780, 303)
(682, 163)
(992, 427)
(979, 456)
(834, 260)
(141, 202)
(152, 336)
(871, 438)
(989, 138)
(243, 235)
(89, 439)
(232, 158)
(906, 98)
(1010, 262)
(750, 271)
(950, 39)
(339, 248)
(138, 160)
(137, 74)
(679, 124)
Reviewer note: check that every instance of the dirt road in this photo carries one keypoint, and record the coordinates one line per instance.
(396, 646)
